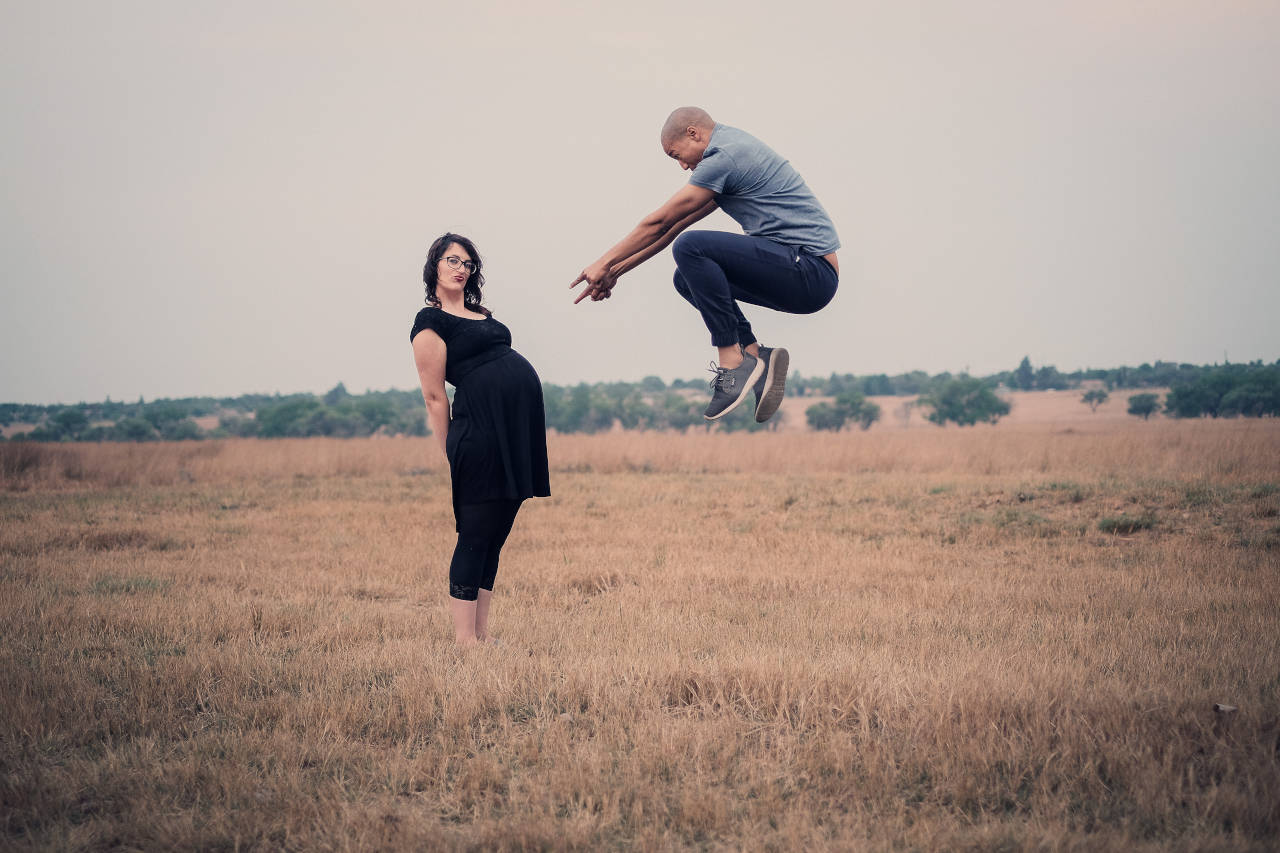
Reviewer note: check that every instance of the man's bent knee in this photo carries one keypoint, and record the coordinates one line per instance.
(688, 245)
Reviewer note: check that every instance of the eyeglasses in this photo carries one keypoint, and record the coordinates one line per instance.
(459, 264)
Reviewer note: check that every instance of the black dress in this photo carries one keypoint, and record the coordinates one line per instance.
(497, 442)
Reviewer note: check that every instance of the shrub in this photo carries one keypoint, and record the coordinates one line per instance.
(134, 429)
(183, 430)
(1095, 398)
(287, 418)
(1143, 405)
(825, 416)
(965, 401)
(850, 406)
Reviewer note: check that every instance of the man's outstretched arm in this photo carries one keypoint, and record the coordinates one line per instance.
(651, 236)
(640, 257)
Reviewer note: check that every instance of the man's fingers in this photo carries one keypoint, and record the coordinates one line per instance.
(597, 290)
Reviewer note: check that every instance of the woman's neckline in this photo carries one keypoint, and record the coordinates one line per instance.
(462, 317)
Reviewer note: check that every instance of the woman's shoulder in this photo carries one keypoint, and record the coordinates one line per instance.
(431, 318)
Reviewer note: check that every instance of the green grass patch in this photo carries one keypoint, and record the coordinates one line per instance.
(1016, 518)
(1201, 495)
(1072, 491)
(1023, 522)
(111, 585)
(1124, 524)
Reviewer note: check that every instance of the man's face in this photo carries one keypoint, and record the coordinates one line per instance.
(687, 149)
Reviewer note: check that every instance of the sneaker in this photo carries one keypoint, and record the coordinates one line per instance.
(772, 384)
(730, 386)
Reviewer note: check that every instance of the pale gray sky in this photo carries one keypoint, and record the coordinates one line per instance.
(231, 197)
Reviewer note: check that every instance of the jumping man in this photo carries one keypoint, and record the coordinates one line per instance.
(786, 260)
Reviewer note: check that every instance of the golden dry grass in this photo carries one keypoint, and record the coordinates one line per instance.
(903, 639)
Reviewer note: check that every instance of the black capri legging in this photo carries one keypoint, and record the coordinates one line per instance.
(482, 531)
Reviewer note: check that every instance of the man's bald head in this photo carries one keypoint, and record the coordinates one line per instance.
(682, 119)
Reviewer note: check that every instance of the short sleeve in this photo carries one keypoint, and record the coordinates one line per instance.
(427, 319)
(713, 171)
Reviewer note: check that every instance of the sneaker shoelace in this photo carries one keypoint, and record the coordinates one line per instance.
(723, 378)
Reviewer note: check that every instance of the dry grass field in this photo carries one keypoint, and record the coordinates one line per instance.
(1004, 638)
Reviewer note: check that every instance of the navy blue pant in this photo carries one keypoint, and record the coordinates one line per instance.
(482, 531)
(715, 270)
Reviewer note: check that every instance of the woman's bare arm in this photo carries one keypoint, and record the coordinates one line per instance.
(429, 356)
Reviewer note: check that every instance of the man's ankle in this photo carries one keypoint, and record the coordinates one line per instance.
(730, 357)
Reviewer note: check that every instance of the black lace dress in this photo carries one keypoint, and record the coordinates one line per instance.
(497, 441)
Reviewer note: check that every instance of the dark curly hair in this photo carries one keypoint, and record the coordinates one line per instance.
(471, 295)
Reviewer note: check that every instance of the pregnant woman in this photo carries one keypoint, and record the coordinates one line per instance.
(495, 439)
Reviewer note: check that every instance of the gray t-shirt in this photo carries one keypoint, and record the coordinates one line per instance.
(762, 192)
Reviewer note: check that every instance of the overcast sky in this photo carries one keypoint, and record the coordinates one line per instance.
(231, 197)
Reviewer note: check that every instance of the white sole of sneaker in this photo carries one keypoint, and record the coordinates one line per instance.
(742, 395)
(775, 385)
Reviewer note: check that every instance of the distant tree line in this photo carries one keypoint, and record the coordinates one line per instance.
(648, 404)
(1222, 391)
(1162, 374)
(336, 413)
(1229, 390)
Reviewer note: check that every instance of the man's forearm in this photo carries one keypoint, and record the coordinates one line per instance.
(628, 264)
(632, 261)
(646, 239)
